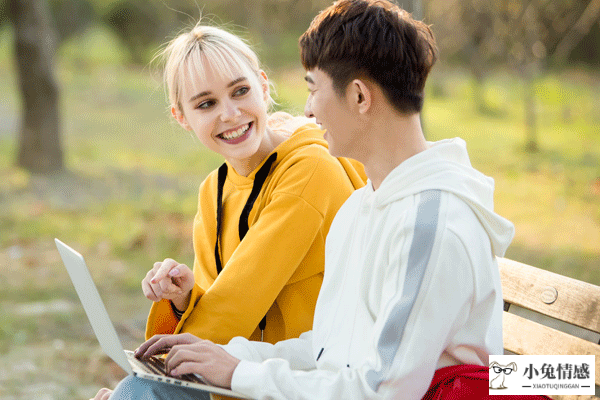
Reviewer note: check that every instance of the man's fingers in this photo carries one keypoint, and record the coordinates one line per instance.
(159, 344)
(142, 350)
(204, 358)
(182, 354)
(187, 367)
(164, 343)
(162, 346)
(189, 347)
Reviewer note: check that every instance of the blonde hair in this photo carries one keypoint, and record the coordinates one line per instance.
(203, 47)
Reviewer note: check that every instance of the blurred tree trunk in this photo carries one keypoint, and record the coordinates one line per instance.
(530, 68)
(478, 67)
(417, 10)
(39, 145)
(531, 144)
(578, 31)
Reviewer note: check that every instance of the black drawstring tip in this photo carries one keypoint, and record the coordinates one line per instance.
(321, 352)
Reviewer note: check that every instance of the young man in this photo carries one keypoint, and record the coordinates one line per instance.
(411, 286)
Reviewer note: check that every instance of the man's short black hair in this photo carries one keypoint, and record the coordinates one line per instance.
(374, 39)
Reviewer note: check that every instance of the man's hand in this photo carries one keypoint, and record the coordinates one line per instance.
(103, 394)
(204, 358)
(189, 354)
(162, 344)
(169, 280)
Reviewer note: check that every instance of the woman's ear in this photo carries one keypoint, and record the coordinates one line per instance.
(360, 95)
(264, 83)
(180, 118)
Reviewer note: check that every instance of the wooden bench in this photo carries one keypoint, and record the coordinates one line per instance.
(541, 307)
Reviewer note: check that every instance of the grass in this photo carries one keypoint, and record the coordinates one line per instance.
(129, 196)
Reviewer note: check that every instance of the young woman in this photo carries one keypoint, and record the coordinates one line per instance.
(259, 233)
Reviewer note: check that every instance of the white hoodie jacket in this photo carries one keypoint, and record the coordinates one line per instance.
(411, 285)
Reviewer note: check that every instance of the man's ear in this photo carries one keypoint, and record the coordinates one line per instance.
(179, 117)
(360, 95)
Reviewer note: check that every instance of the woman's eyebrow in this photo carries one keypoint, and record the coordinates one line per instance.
(236, 81)
(207, 92)
(201, 94)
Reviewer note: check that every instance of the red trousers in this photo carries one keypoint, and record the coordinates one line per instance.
(468, 382)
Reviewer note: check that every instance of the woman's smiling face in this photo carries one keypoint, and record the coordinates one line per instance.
(227, 110)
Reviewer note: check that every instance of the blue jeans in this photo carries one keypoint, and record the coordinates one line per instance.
(145, 389)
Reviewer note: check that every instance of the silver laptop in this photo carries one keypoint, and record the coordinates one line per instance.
(107, 335)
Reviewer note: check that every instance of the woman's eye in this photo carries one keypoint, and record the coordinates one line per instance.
(206, 104)
(242, 91)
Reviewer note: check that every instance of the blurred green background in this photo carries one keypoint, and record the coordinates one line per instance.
(519, 81)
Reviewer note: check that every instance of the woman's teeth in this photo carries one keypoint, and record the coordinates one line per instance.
(237, 133)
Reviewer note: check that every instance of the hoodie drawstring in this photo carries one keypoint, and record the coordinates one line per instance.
(259, 181)
(221, 182)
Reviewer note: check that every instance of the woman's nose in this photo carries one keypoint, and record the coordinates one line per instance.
(230, 111)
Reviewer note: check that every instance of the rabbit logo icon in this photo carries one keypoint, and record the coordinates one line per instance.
(501, 371)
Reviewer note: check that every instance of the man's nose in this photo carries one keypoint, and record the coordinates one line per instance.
(307, 109)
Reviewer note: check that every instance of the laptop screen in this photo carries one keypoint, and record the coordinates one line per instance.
(93, 305)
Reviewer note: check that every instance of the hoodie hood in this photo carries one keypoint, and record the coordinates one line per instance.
(446, 166)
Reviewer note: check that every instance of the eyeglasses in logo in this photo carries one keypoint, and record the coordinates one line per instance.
(501, 371)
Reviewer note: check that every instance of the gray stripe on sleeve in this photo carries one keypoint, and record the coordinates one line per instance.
(418, 257)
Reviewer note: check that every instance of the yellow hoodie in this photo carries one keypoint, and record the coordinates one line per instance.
(277, 269)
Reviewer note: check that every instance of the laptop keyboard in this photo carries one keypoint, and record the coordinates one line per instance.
(153, 365)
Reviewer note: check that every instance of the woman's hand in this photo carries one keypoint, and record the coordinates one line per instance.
(169, 280)
(103, 394)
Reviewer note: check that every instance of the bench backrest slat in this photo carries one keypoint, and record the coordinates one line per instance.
(557, 296)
